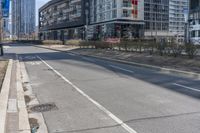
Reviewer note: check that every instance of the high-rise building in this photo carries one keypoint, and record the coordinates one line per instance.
(194, 21)
(113, 18)
(91, 19)
(23, 18)
(178, 10)
(165, 18)
(156, 16)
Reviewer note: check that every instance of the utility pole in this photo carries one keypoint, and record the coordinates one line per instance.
(156, 15)
(151, 17)
(1, 19)
(1, 22)
(87, 20)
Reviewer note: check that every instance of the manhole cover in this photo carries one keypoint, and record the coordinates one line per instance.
(43, 107)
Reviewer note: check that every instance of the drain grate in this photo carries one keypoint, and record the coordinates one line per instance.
(43, 107)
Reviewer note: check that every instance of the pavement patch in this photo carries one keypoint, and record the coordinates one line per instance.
(43, 107)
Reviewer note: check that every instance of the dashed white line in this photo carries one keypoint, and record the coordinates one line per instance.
(121, 69)
(88, 59)
(71, 54)
(186, 87)
(112, 116)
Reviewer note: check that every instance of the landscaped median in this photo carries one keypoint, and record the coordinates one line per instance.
(181, 65)
(4, 93)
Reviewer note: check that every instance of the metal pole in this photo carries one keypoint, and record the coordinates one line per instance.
(1, 21)
(87, 21)
(1, 49)
(151, 18)
(156, 30)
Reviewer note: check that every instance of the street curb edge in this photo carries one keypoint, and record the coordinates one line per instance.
(4, 95)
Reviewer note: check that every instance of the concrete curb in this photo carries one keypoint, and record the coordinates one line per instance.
(24, 126)
(4, 97)
(166, 70)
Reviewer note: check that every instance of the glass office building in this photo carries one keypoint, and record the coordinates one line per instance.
(23, 18)
(194, 21)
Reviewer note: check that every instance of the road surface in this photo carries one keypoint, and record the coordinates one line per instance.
(98, 96)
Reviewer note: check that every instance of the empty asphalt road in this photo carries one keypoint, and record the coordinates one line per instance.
(98, 96)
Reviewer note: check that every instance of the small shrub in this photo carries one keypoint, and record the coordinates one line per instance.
(191, 50)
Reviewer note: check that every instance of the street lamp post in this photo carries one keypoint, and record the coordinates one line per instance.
(87, 20)
(1, 21)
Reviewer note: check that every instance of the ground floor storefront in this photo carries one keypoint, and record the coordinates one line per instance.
(96, 32)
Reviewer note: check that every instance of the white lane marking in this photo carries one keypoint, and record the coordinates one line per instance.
(186, 87)
(71, 54)
(12, 106)
(112, 116)
(34, 63)
(122, 69)
(88, 59)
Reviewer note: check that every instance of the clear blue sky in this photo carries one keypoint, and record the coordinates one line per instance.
(39, 3)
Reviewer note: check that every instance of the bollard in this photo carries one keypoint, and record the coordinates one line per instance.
(1, 49)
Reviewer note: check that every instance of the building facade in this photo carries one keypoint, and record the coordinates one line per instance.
(116, 18)
(156, 16)
(23, 18)
(63, 19)
(101, 19)
(165, 18)
(91, 19)
(178, 10)
(194, 21)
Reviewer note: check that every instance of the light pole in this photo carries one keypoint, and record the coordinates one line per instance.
(87, 21)
(151, 18)
(1, 21)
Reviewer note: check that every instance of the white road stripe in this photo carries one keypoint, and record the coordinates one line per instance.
(116, 119)
(121, 69)
(186, 87)
(88, 59)
(71, 54)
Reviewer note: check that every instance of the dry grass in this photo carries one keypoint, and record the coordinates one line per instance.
(3, 66)
(181, 63)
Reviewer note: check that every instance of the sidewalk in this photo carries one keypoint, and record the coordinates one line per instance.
(17, 116)
(179, 66)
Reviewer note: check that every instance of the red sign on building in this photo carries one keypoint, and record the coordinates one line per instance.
(135, 8)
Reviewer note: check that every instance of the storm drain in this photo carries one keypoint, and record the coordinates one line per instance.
(43, 107)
